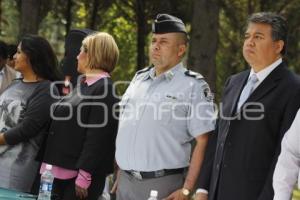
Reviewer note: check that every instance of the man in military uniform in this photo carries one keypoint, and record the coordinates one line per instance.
(164, 108)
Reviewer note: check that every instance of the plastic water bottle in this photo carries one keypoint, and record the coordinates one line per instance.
(153, 195)
(46, 184)
(105, 194)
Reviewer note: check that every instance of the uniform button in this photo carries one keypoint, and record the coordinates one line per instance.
(222, 144)
(224, 165)
(218, 167)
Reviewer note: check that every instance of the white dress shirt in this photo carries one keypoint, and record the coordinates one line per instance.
(262, 74)
(288, 164)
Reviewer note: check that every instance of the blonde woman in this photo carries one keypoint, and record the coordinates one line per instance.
(81, 143)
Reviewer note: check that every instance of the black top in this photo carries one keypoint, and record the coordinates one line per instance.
(25, 110)
(83, 130)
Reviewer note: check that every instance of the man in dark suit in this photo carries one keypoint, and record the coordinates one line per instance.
(258, 106)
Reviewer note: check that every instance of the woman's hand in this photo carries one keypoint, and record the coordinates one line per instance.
(115, 186)
(2, 139)
(81, 192)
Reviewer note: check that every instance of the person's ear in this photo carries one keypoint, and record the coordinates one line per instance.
(181, 50)
(279, 46)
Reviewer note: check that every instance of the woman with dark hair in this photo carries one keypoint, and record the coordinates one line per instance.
(11, 51)
(25, 113)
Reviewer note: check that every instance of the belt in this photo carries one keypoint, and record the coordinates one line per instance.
(154, 174)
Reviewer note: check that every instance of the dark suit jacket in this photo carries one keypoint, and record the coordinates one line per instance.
(73, 145)
(242, 154)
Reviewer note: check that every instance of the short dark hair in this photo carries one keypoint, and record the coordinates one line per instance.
(3, 50)
(185, 38)
(41, 57)
(278, 25)
(11, 51)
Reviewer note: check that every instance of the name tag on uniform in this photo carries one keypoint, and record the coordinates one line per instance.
(171, 97)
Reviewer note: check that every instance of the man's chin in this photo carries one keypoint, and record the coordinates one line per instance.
(157, 65)
(250, 60)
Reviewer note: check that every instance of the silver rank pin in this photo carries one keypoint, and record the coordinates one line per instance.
(169, 75)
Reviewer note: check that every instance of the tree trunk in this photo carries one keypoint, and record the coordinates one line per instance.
(32, 13)
(95, 7)
(141, 33)
(68, 16)
(29, 17)
(251, 7)
(0, 17)
(204, 40)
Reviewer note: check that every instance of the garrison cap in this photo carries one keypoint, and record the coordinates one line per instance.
(165, 23)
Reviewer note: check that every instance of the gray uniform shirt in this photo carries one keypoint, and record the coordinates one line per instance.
(159, 118)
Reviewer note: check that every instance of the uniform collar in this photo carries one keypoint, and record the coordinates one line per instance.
(168, 75)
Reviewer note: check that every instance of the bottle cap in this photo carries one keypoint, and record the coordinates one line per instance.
(153, 193)
(48, 167)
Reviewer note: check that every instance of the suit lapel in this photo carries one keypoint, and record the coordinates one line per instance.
(264, 88)
(267, 85)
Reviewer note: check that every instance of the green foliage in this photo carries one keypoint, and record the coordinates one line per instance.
(124, 32)
(52, 28)
(118, 17)
(233, 17)
(9, 24)
(80, 21)
(292, 14)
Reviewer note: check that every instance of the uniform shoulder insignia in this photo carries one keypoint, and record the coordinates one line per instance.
(193, 74)
(144, 70)
(208, 95)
